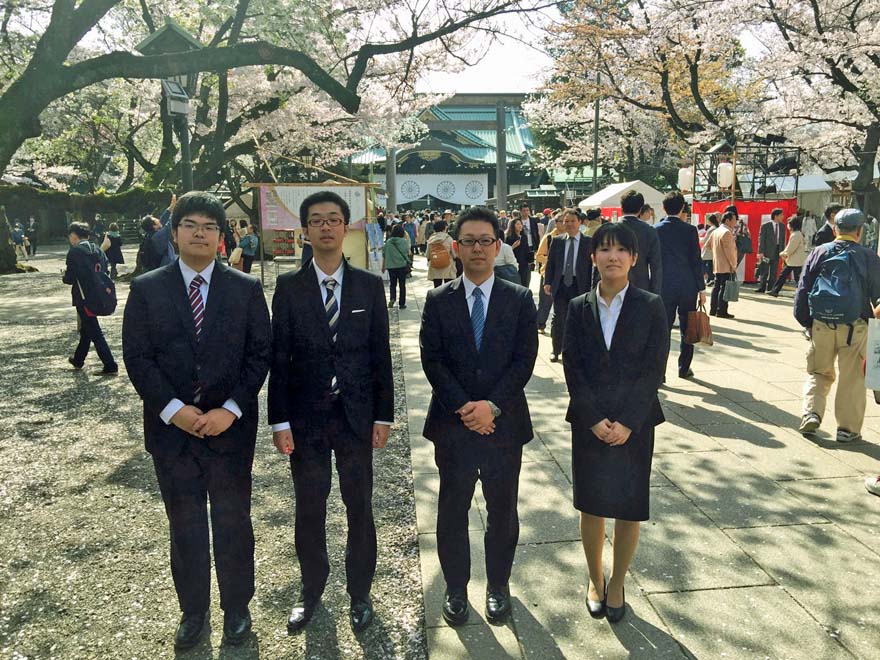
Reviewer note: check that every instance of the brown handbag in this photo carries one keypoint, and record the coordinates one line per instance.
(698, 328)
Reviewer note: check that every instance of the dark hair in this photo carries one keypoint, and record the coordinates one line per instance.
(615, 233)
(440, 225)
(594, 214)
(632, 201)
(525, 205)
(242, 224)
(201, 202)
(831, 211)
(81, 229)
(731, 209)
(147, 223)
(700, 225)
(775, 212)
(114, 226)
(645, 208)
(477, 214)
(713, 218)
(673, 203)
(569, 211)
(397, 231)
(320, 198)
(795, 223)
(511, 227)
(728, 215)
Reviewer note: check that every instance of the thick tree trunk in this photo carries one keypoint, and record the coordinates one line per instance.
(7, 252)
(865, 190)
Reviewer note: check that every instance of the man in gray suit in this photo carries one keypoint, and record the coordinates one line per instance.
(770, 243)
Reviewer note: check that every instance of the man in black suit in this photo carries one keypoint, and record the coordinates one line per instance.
(647, 272)
(196, 341)
(826, 232)
(771, 242)
(682, 282)
(568, 274)
(82, 258)
(479, 341)
(532, 231)
(331, 391)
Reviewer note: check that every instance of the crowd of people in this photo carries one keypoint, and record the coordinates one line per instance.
(616, 291)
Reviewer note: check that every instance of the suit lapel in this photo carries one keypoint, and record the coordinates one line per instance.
(592, 303)
(315, 302)
(623, 321)
(180, 300)
(497, 305)
(585, 263)
(350, 293)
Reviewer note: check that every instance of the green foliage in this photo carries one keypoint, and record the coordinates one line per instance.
(131, 203)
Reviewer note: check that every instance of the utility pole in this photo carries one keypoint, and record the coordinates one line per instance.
(596, 137)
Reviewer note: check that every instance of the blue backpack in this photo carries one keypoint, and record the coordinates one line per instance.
(98, 290)
(838, 294)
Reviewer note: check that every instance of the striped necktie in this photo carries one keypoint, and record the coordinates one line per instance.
(196, 302)
(478, 317)
(331, 307)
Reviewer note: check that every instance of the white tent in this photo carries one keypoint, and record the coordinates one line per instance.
(610, 197)
(814, 193)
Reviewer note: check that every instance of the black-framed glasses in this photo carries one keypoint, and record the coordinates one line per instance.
(485, 241)
(191, 226)
(330, 222)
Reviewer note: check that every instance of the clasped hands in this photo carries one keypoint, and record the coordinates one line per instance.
(283, 440)
(611, 433)
(477, 416)
(203, 424)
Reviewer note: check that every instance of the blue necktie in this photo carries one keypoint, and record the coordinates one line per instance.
(478, 317)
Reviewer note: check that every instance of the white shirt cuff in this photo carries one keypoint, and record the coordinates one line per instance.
(280, 426)
(379, 421)
(171, 410)
(232, 407)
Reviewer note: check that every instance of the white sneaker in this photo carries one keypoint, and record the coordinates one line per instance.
(848, 436)
(809, 423)
(872, 485)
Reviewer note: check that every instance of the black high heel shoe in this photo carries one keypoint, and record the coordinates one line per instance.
(614, 614)
(596, 608)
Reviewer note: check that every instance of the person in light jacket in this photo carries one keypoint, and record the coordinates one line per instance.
(441, 275)
(724, 262)
(706, 250)
(795, 255)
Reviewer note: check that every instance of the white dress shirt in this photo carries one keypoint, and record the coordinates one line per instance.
(337, 293)
(527, 230)
(485, 287)
(189, 275)
(609, 315)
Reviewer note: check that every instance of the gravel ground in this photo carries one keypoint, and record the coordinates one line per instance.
(84, 567)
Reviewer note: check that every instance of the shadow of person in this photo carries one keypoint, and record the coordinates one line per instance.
(540, 642)
(249, 649)
(204, 650)
(321, 639)
(375, 642)
(643, 640)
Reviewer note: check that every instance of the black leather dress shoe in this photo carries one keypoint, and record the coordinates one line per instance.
(360, 614)
(686, 374)
(189, 630)
(497, 604)
(301, 614)
(236, 626)
(614, 614)
(455, 608)
(596, 608)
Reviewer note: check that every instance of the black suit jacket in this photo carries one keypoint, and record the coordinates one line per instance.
(621, 384)
(304, 355)
(498, 373)
(824, 235)
(768, 245)
(682, 264)
(536, 238)
(583, 266)
(165, 361)
(647, 274)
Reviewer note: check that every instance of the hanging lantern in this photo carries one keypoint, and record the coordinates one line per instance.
(725, 175)
(686, 179)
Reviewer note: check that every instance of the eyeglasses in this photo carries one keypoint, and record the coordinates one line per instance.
(485, 241)
(191, 226)
(333, 221)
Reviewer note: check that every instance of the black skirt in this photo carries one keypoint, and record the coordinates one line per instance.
(612, 482)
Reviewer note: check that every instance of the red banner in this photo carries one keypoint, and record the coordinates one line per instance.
(754, 214)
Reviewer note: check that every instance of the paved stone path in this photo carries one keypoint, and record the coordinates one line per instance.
(761, 543)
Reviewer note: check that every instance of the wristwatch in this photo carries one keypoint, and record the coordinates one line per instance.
(496, 411)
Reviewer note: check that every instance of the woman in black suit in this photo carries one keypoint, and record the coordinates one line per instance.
(520, 245)
(616, 344)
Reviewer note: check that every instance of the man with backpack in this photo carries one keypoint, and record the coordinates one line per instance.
(834, 300)
(93, 293)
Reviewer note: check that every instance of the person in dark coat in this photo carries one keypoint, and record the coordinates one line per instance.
(516, 239)
(616, 345)
(114, 252)
(647, 273)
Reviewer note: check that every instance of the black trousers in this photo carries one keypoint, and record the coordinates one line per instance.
(438, 282)
(247, 262)
(397, 276)
(545, 304)
(681, 305)
(460, 465)
(561, 299)
(186, 482)
(796, 270)
(769, 274)
(90, 333)
(310, 467)
(717, 303)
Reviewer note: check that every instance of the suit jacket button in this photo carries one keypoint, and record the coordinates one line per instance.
(479, 372)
